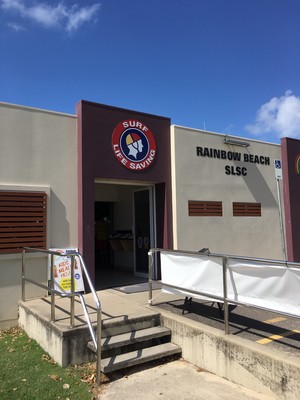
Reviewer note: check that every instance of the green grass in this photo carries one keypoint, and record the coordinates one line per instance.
(28, 373)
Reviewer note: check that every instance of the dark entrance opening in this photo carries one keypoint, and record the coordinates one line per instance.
(114, 237)
(103, 225)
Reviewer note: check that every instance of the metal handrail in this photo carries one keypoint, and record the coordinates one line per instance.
(266, 260)
(223, 298)
(50, 288)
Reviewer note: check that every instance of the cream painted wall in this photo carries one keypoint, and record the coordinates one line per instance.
(38, 151)
(204, 178)
(10, 284)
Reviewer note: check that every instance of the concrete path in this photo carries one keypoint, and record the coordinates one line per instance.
(176, 380)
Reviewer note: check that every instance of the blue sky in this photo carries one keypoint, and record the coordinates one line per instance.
(230, 66)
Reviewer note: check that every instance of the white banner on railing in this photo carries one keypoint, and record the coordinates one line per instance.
(191, 272)
(271, 286)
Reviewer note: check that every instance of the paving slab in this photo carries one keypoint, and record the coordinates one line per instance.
(115, 305)
(178, 380)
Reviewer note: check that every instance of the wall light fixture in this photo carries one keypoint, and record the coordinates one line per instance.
(235, 142)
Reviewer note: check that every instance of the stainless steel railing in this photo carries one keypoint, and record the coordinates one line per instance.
(96, 338)
(153, 255)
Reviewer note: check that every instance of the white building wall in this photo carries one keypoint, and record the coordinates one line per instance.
(203, 178)
(38, 151)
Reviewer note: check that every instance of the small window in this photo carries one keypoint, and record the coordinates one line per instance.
(23, 220)
(246, 209)
(205, 209)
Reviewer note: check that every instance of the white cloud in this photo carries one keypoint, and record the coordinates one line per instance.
(52, 16)
(15, 27)
(280, 116)
(81, 15)
(12, 5)
(47, 16)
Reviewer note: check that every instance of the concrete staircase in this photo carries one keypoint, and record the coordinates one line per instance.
(136, 341)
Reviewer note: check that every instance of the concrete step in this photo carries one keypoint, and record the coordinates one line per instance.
(141, 356)
(136, 346)
(131, 338)
(118, 326)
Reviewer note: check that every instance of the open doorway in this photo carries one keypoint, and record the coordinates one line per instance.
(124, 232)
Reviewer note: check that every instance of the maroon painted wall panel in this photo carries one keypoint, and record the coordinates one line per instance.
(290, 149)
(96, 123)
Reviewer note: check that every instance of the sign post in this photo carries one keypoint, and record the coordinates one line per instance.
(278, 176)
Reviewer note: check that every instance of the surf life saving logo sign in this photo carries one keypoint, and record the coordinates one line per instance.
(297, 164)
(133, 145)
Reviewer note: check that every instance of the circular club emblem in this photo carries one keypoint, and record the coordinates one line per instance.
(297, 164)
(133, 145)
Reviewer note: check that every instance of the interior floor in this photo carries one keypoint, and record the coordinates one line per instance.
(109, 278)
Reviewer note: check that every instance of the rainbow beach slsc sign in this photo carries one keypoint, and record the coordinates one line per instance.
(133, 145)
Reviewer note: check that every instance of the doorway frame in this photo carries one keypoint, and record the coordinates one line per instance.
(152, 223)
(140, 185)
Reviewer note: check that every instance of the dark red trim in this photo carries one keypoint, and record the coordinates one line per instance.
(96, 124)
(290, 148)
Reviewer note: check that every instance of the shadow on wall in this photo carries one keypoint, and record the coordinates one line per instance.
(11, 280)
(258, 186)
(60, 226)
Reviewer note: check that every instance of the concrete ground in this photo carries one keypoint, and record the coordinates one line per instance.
(178, 380)
(268, 329)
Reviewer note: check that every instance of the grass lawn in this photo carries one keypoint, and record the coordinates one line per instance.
(28, 373)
